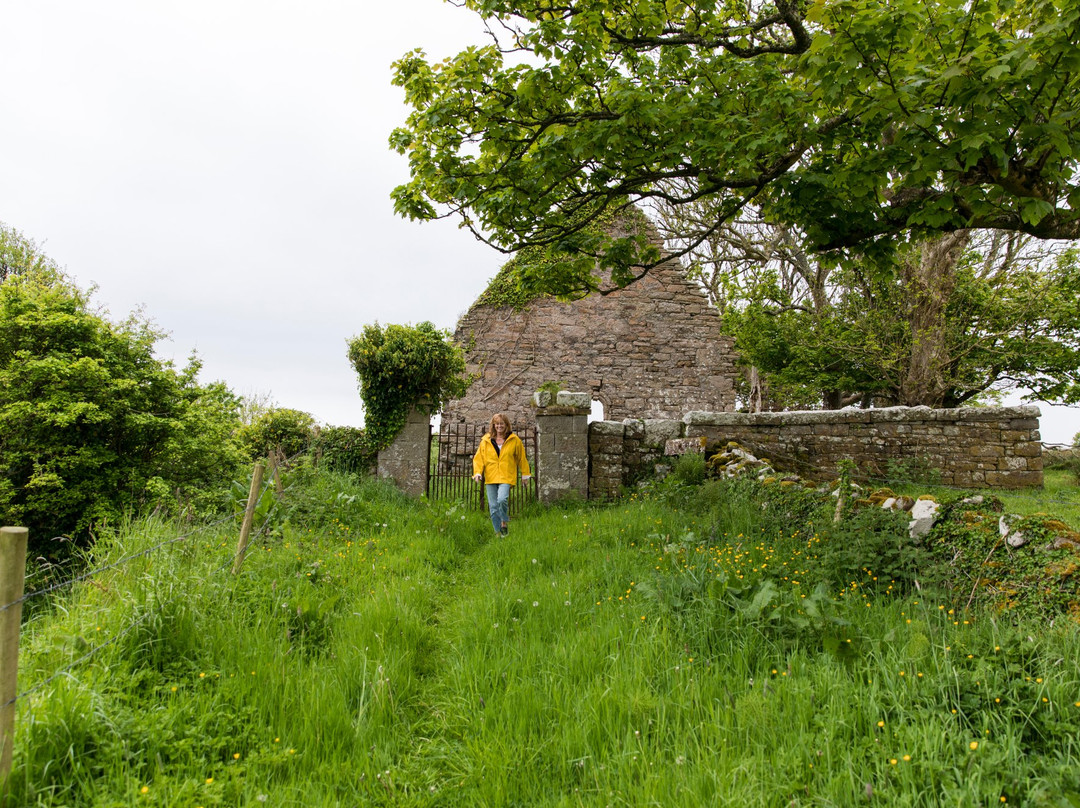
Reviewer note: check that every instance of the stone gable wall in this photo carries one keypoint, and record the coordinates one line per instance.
(972, 447)
(653, 349)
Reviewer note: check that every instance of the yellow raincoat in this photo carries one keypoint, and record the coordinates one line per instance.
(501, 466)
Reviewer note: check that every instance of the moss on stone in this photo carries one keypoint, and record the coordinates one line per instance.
(507, 289)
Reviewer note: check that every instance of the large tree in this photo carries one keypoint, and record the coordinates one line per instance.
(940, 321)
(954, 320)
(856, 120)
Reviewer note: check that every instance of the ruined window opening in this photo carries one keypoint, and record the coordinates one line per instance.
(597, 411)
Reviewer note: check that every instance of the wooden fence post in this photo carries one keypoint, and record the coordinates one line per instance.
(12, 572)
(249, 516)
(277, 460)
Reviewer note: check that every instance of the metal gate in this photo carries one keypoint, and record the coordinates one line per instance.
(451, 456)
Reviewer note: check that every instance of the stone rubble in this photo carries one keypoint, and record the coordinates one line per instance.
(734, 460)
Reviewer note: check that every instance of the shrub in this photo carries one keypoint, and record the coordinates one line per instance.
(746, 505)
(791, 507)
(689, 469)
(917, 470)
(343, 448)
(1038, 578)
(91, 423)
(291, 431)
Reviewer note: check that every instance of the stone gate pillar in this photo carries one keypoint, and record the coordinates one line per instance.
(562, 436)
(406, 460)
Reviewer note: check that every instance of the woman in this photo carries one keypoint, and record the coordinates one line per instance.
(496, 462)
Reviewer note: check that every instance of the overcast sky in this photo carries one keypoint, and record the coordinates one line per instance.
(224, 165)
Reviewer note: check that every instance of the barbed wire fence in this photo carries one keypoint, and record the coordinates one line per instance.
(229, 561)
(13, 547)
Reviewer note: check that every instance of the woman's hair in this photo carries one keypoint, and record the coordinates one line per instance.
(499, 417)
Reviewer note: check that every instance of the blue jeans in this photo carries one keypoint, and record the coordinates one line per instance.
(498, 497)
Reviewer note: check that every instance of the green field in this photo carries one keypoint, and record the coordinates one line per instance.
(681, 648)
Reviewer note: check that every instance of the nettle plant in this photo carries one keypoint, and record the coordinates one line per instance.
(402, 366)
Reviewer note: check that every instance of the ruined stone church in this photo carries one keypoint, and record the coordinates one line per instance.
(653, 349)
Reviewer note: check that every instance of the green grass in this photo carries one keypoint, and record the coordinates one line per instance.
(386, 652)
(1060, 496)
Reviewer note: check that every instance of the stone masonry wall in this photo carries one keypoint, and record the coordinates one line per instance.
(405, 461)
(972, 447)
(562, 448)
(653, 349)
(621, 453)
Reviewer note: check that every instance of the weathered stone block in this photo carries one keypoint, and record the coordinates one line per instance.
(548, 423)
(1016, 479)
(571, 444)
(580, 425)
(406, 460)
(607, 428)
(1013, 436)
(1031, 449)
(713, 435)
(1024, 423)
(555, 410)
(564, 398)
(886, 414)
(699, 418)
(660, 431)
(609, 473)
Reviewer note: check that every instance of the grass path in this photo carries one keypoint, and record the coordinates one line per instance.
(397, 654)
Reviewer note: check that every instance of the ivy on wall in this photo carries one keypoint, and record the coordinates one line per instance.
(401, 366)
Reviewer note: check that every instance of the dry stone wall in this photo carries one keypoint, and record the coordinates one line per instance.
(653, 349)
(972, 447)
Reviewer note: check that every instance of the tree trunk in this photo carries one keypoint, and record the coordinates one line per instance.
(929, 282)
(755, 389)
